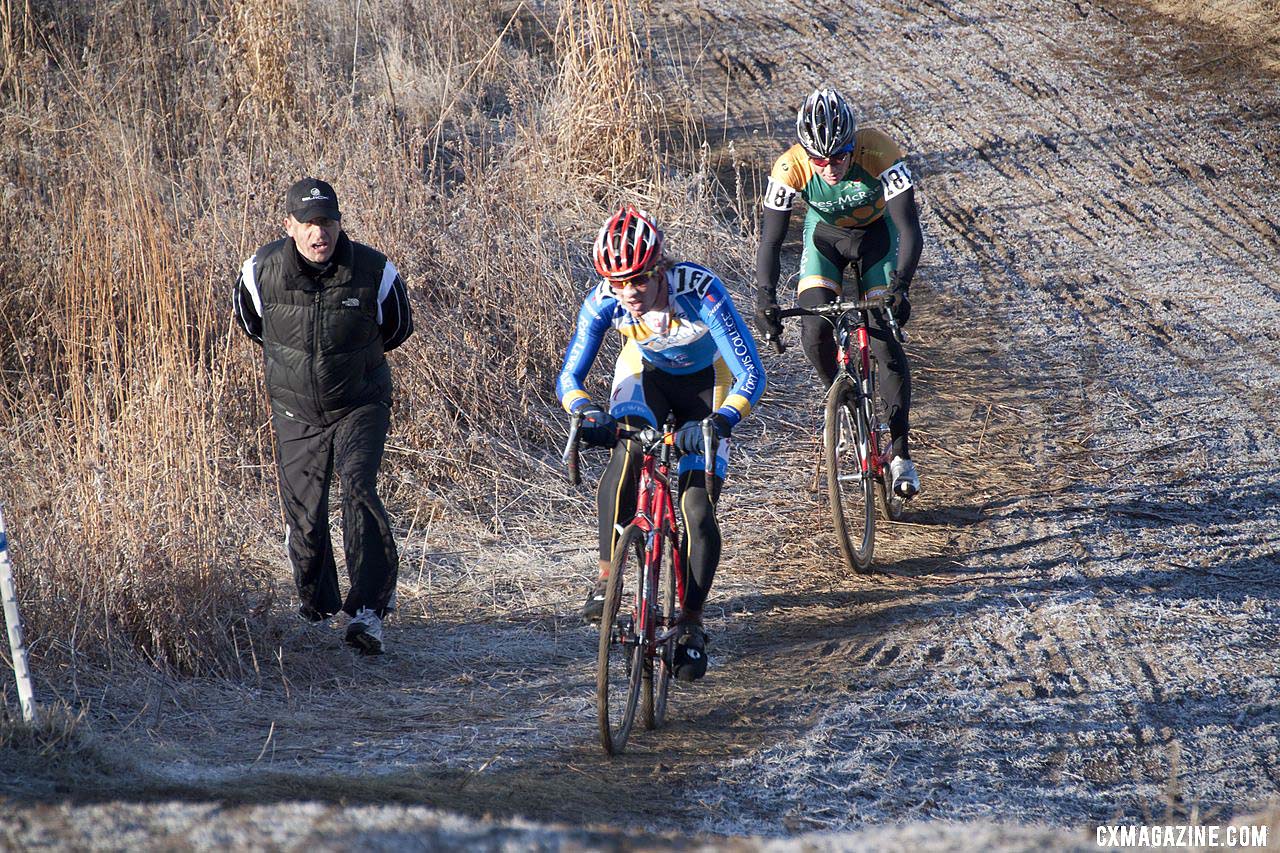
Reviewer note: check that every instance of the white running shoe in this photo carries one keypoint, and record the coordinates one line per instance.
(906, 482)
(364, 631)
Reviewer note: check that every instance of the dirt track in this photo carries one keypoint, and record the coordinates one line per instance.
(1079, 620)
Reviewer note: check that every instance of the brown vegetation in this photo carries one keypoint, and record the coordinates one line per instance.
(1235, 29)
(147, 150)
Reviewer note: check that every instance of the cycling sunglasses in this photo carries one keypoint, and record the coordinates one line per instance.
(821, 162)
(639, 283)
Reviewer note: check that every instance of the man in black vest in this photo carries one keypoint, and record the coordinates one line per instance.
(326, 311)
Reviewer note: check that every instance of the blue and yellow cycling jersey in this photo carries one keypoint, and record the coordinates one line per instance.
(698, 327)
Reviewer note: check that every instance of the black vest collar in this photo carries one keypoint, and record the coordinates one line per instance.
(299, 275)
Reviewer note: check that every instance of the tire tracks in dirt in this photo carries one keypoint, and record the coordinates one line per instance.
(1097, 217)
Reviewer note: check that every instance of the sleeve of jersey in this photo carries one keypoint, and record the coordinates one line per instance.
(738, 348)
(395, 317)
(588, 335)
(885, 159)
(246, 302)
(786, 181)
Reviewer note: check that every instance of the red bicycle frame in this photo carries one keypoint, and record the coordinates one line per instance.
(655, 515)
(849, 338)
(845, 364)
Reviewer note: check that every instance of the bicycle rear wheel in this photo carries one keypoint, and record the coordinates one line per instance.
(620, 660)
(658, 668)
(847, 445)
(891, 506)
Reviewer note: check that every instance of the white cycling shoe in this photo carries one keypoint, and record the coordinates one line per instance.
(906, 482)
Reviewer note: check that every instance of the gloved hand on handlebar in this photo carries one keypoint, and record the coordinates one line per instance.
(898, 301)
(901, 307)
(599, 428)
(689, 436)
(767, 310)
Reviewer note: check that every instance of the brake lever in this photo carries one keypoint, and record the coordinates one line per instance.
(897, 330)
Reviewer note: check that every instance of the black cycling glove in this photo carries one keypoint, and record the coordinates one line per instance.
(898, 300)
(767, 310)
(689, 436)
(599, 428)
(901, 306)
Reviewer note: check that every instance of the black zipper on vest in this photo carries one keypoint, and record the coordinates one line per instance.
(315, 353)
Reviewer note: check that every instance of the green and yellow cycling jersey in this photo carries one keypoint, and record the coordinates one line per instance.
(876, 174)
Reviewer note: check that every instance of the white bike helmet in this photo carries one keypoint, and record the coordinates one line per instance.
(825, 124)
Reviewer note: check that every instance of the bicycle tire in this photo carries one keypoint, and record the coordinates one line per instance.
(620, 658)
(846, 445)
(891, 506)
(659, 666)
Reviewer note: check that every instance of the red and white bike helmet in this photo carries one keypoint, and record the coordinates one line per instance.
(629, 245)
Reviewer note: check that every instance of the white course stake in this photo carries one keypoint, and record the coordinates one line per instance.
(25, 694)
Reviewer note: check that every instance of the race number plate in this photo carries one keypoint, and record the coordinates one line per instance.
(896, 179)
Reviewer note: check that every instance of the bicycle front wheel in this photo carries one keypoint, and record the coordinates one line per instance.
(620, 661)
(847, 444)
(658, 667)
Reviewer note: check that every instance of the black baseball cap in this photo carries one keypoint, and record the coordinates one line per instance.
(309, 198)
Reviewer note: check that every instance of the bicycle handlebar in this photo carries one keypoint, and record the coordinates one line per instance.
(836, 309)
(650, 438)
(570, 456)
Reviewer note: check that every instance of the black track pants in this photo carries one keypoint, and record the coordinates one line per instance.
(307, 457)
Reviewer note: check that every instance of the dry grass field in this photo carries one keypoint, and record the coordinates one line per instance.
(147, 151)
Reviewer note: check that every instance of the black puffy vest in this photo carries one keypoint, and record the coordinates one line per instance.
(320, 335)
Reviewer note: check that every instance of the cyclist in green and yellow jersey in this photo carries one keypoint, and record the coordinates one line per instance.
(848, 178)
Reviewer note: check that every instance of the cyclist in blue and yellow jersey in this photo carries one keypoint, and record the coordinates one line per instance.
(686, 352)
(848, 178)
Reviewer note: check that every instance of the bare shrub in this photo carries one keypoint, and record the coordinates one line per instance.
(256, 57)
(606, 116)
(17, 38)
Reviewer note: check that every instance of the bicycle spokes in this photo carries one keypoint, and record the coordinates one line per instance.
(847, 445)
(619, 663)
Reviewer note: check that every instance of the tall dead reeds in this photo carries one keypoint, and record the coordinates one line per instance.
(259, 77)
(17, 37)
(608, 118)
(115, 363)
